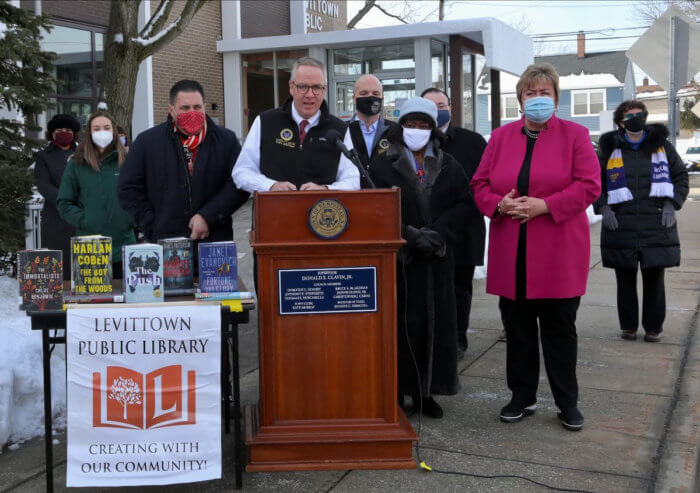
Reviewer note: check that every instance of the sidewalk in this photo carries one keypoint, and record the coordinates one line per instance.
(640, 401)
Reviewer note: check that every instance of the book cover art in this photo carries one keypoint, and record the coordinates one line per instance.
(91, 265)
(178, 265)
(218, 267)
(40, 277)
(143, 273)
(130, 399)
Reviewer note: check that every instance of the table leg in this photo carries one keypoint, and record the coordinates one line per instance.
(48, 418)
(238, 452)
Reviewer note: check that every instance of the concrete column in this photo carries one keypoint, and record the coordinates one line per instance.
(231, 19)
(421, 54)
(233, 92)
(142, 116)
(297, 17)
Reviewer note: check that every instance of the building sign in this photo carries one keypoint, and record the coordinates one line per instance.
(328, 290)
(144, 395)
(325, 15)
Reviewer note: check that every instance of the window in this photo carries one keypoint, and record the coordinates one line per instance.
(587, 103)
(373, 59)
(510, 108)
(79, 66)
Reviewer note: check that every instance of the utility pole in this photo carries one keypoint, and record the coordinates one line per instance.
(678, 65)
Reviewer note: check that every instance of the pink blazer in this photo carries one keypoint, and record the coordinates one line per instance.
(565, 172)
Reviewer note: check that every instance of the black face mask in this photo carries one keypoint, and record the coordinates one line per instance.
(636, 123)
(369, 105)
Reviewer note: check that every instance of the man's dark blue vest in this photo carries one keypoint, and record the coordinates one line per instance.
(283, 159)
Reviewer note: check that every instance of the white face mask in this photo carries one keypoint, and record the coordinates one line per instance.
(416, 138)
(102, 138)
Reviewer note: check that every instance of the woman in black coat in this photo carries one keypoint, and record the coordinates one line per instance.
(434, 210)
(50, 163)
(644, 182)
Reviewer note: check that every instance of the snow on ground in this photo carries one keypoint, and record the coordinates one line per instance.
(21, 377)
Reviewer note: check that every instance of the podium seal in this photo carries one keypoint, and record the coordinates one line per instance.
(328, 219)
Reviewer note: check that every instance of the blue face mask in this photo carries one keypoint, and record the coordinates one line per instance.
(443, 118)
(539, 109)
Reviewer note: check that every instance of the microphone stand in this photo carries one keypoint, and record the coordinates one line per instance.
(355, 159)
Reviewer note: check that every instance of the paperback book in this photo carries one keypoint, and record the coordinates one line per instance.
(143, 273)
(40, 276)
(91, 265)
(178, 265)
(218, 267)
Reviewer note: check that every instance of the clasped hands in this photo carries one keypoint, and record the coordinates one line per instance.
(280, 186)
(522, 208)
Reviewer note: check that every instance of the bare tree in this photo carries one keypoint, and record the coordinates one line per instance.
(650, 11)
(126, 46)
(405, 11)
(126, 392)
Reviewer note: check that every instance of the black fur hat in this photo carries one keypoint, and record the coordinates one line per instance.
(63, 121)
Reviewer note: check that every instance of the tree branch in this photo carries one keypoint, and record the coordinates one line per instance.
(158, 19)
(154, 42)
(363, 11)
(389, 14)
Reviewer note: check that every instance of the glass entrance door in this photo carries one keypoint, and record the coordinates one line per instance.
(397, 89)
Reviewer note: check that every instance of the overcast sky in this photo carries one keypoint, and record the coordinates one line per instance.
(615, 18)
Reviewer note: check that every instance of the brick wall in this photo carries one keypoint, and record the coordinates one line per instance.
(192, 55)
(264, 18)
(85, 11)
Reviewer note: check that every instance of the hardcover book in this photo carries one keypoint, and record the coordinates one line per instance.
(178, 265)
(40, 276)
(218, 267)
(91, 265)
(143, 273)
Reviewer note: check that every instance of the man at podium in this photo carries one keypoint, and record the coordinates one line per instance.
(287, 149)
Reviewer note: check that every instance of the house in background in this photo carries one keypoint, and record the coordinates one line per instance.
(588, 83)
(656, 100)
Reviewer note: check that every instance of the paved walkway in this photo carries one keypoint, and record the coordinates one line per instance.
(640, 401)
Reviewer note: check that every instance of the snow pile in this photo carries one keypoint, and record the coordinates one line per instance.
(119, 38)
(21, 376)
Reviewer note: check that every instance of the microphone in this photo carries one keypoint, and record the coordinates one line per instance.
(334, 136)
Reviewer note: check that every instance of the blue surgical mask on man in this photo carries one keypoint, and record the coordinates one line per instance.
(539, 109)
(443, 118)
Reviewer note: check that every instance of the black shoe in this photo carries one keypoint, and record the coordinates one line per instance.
(428, 407)
(462, 341)
(629, 335)
(571, 418)
(512, 413)
(652, 336)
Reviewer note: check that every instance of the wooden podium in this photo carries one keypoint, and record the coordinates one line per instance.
(327, 308)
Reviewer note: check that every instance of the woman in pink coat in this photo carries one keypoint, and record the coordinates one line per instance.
(536, 179)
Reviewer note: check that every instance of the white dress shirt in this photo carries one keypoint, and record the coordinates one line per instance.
(246, 172)
(367, 134)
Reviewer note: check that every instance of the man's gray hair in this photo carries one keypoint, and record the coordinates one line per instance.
(307, 60)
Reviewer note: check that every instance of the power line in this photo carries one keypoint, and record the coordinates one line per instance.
(587, 39)
(595, 31)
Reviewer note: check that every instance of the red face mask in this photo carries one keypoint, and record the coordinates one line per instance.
(63, 139)
(191, 121)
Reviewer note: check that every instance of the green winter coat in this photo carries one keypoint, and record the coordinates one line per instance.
(87, 199)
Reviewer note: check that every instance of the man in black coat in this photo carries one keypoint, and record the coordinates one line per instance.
(176, 180)
(466, 147)
(287, 148)
(367, 130)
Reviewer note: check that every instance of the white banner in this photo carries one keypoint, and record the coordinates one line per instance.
(144, 395)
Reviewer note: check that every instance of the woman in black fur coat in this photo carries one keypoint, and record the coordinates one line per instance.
(644, 182)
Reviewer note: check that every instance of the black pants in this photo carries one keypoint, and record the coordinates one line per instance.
(557, 328)
(463, 292)
(653, 299)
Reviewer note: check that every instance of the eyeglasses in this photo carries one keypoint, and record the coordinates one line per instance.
(303, 88)
(629, 116)
(417, 124)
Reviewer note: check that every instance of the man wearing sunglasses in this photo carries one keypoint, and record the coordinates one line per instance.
(286, 148)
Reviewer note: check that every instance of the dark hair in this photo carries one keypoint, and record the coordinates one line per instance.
(435, 89)
(185, 85)
(62, 121)
(395, 132)
(624, 107)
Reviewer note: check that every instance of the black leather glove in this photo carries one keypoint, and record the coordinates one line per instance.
(609, 218)
(668, 214)
(437, 244)
(411, 235)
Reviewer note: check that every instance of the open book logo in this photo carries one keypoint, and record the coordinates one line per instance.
(130, 399)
